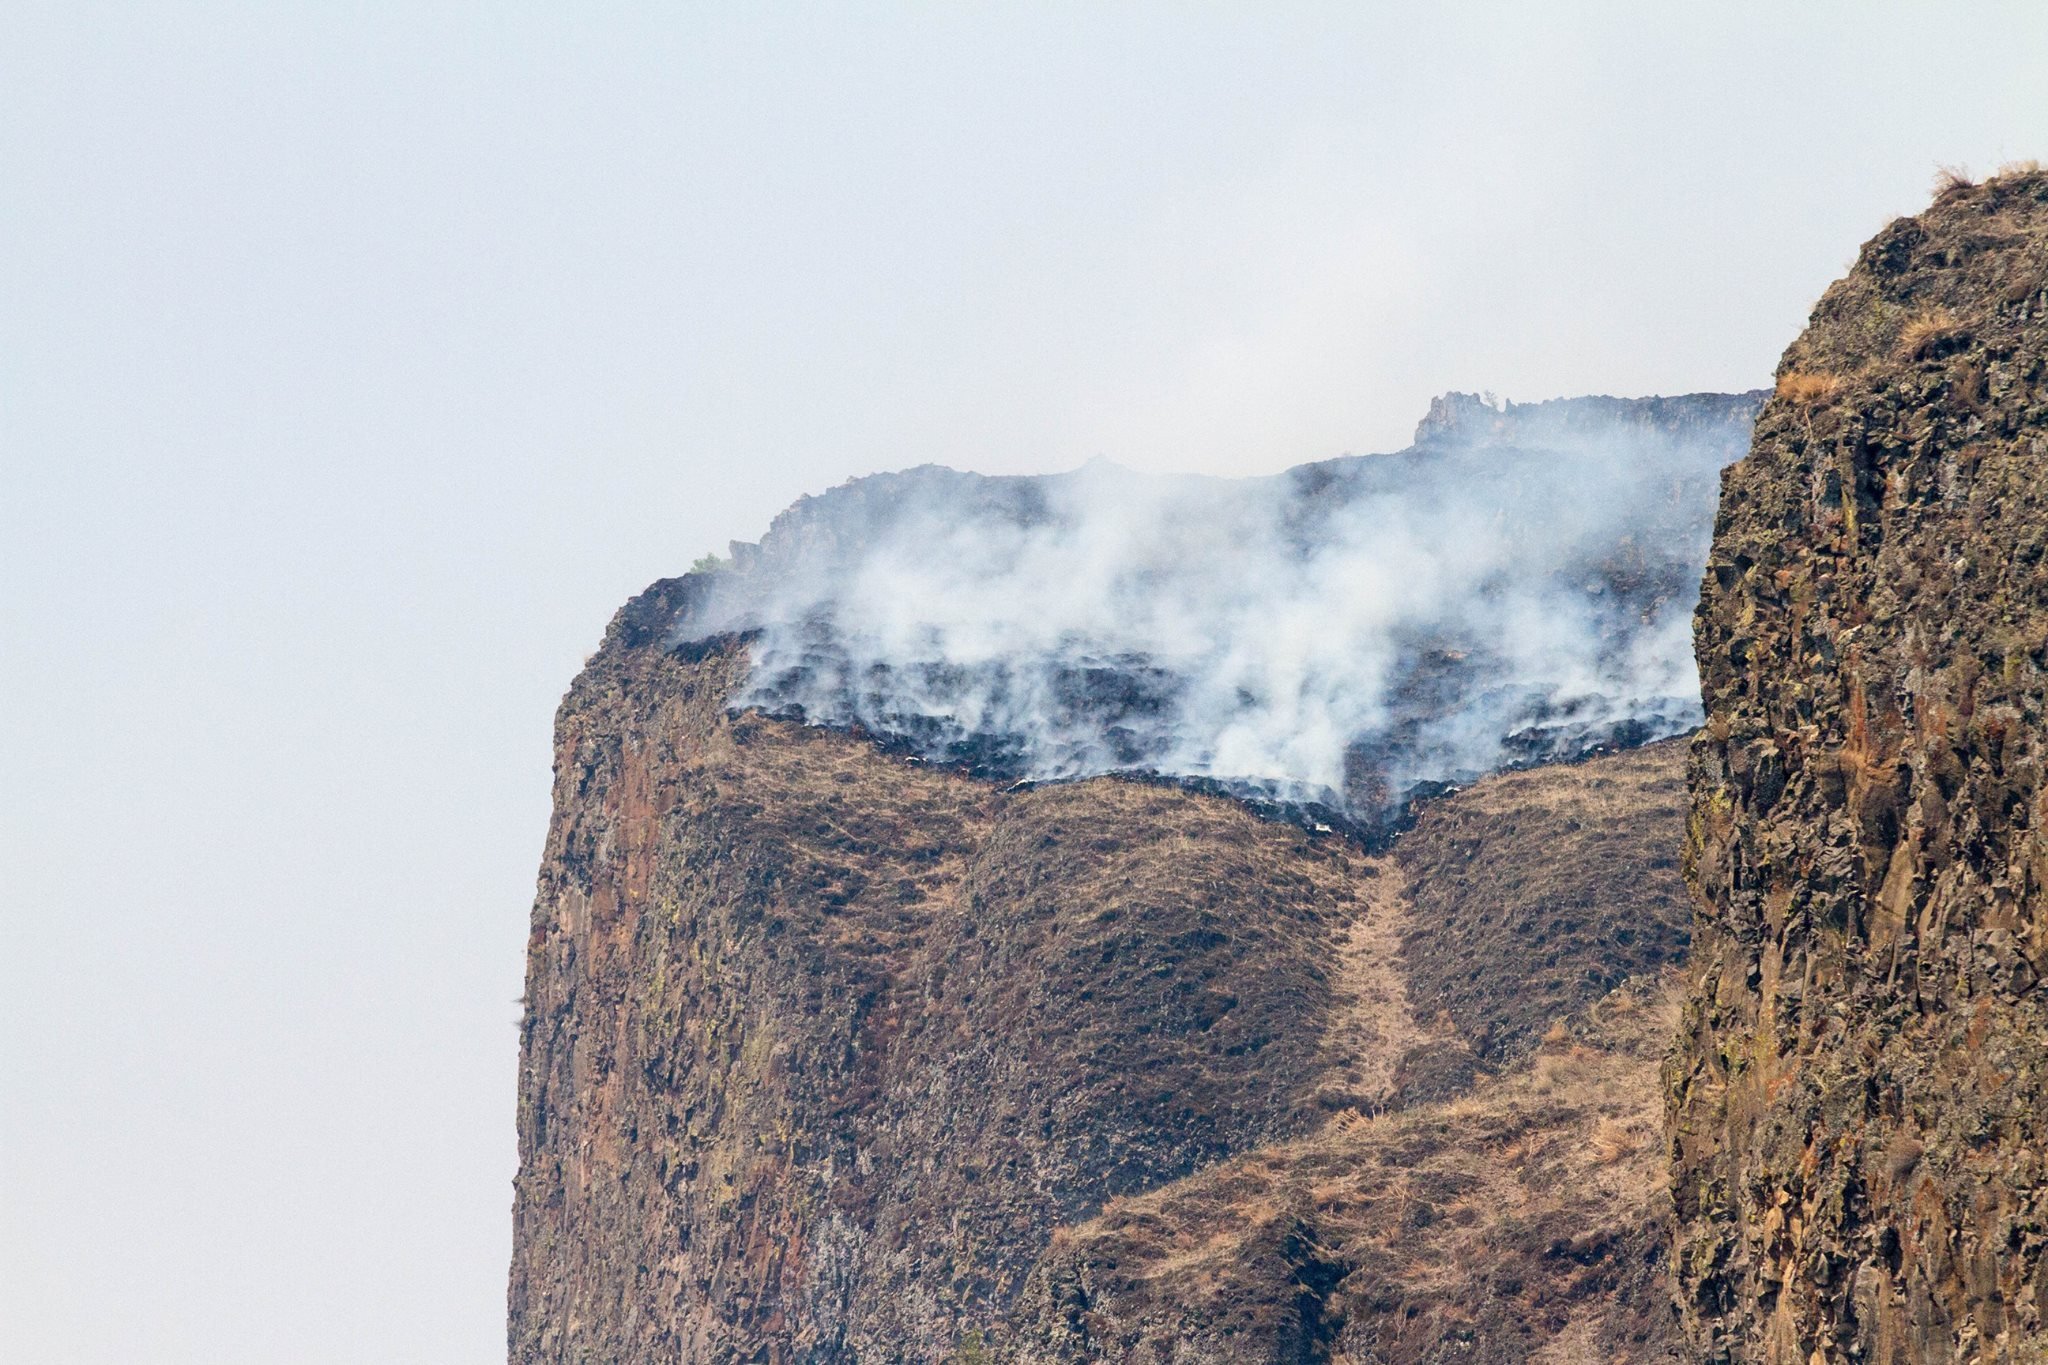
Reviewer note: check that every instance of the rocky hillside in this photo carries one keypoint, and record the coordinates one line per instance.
(832, 1054)
(1490, 1187)
(1859, 1100)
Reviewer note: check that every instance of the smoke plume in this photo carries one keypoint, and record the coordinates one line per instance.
(1515, 587)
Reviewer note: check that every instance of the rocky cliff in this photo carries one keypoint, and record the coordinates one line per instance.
(831, 1054)
(922, 979)
(1858, 1104)
(821, 1043)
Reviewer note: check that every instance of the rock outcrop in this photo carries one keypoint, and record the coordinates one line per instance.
(831, 1054)
(821, 1043)
(1858, 1104)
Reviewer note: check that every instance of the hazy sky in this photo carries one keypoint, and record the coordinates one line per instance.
(357, 360)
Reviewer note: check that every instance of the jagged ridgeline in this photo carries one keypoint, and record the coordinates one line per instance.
(1515, 587)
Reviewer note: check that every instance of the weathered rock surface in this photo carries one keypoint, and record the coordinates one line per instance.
(833, 1055)
(821, 1044)
(1858, 1104)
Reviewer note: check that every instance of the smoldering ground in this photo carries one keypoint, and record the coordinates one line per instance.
(1517, 586)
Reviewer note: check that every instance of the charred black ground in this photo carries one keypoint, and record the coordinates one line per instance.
(1451, 703)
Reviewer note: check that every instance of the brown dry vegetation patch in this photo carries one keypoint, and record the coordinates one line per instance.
(1373, 1029)
(1928, 331)
(1514, 1216)
(1523, 1221)
(1807, 387)
(1538, 892)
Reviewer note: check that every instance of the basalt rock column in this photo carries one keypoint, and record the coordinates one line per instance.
(1858, 1102)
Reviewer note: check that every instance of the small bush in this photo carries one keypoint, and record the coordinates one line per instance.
(1808, 386)
(1554, 1069)
(1950, 180)
(1611, 1142)
(1927, 331)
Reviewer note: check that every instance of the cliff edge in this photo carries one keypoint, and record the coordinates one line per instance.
(972, 924)
(831, 1054)
(1858, 1103)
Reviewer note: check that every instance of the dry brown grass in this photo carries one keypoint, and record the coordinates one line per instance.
(1535, 890)
(1808, 387)
(1620, 1005)
(2028, 166)
(1950, 180)
(1611, 1141)
(1927, 331)
(1555, 1069)
(1431, 1207)
(1374, 1025)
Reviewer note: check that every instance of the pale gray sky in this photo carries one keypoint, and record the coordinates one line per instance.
(360, 359)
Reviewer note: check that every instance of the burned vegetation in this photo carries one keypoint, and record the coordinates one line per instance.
(832, 1054)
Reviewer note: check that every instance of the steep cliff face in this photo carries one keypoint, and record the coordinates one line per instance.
(821, 1043)
(1858, 1104)
(831, 1054)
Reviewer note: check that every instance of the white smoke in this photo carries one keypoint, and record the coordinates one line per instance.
(1516, 587)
